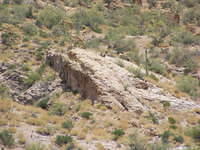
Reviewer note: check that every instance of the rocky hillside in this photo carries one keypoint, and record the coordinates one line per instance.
(100, 74)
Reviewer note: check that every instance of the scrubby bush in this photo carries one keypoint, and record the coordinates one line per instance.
(179, 139)
(157, 67)
(30, 29)
(31, 78)
(137, 72)
(43, 103)
(186, 38)
(192, 16)
(3, 90)
(190, 3)
(50, 16)
(9, 38)
(61, 140)
(165, 136)
(6, 138)
(189, 85)
(35, 146)
(91, 18)
(67, 125)
(86, 115)
(195, 133)
(183, 57)
(58, 109)
(171, 120)
(46, 131)
(118, 133)
(124, 45)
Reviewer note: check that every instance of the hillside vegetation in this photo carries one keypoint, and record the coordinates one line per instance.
(160, 37)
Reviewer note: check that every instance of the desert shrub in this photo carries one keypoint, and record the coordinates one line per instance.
(9, 38)
(190, 3)
(165, 136)
(152, 3)
(58, 109)
(179, 139)
(93, 43)
(157, 67)
(86, 115)
(50, 16)
(137, 142)
(166, 104)
(61, 140)
(13, 2)
(60, 30)
(195, 133)
(189, 85)
(46, 131)
(91, 18)
(30, 29)
(67, 125)
(182, 57)
(192, 16)
(186, 38)
(70, 3)
(137, 72)
(31, 78)
(124, 45)
(6, 138)
(171, 120)
(15, 14)
(118, 133)
(153, 118)
(35, 146)
(3, 90)
(44, 103)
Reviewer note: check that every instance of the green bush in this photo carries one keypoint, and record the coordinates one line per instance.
(67, 125)
(86, 115)
(171, 120)
(9, 38)
(35, 146)
(43, 103)
(190, 3)
(46, 131)
(91, 18)
(189, 85)
(32, 78)
(50, 16)
(61, 140)
(157, 67)
(153, 118)
(186, 38)
(195, 133)
(165, 136)
(124, 45)
(58, 109)
(3, 90)
(30, 29)
(137, 72)
(6, 138)
(179, 139)
(118, 133)
(192, 16)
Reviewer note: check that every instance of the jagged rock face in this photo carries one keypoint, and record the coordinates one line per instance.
(13, 80)
(101, 79)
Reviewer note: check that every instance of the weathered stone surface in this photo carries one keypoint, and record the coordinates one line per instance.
(100, 79)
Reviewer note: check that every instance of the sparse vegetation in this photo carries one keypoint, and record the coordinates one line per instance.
(118, 133)
(6, 138)
(86, 115)
(61, 140)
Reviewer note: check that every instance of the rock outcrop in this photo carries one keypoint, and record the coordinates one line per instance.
(101, 79)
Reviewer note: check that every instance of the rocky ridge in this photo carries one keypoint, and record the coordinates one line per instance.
(100, 79)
